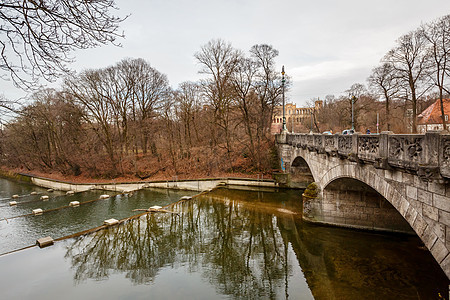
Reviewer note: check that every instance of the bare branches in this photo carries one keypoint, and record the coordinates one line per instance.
(37, 37)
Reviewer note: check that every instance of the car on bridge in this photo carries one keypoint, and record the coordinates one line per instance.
(348, 131)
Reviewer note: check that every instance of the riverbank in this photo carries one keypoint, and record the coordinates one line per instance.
(15, 174)
(125, 185)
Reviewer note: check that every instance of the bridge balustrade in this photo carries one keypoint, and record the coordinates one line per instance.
(428, 154)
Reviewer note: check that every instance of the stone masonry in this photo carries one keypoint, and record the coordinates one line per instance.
(410, 172)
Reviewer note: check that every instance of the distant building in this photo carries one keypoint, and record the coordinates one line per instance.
(431, 117)
(294, 115)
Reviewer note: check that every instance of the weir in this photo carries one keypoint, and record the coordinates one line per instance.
(199, 185)
(380, 182)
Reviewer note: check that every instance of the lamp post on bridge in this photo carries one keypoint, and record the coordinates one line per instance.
(284, 129)
(353, 123)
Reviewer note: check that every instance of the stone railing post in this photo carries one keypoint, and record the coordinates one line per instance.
(281, 138)
(383, 152)
(432, 139)
(428, 168)
(444, 155)
(353, 155)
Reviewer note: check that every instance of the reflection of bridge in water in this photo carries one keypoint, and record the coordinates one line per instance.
(387, 181)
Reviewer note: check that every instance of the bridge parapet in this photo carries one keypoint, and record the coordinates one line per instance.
(427, 155)
(376, 181)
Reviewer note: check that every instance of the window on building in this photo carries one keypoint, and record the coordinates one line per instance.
(446, 117)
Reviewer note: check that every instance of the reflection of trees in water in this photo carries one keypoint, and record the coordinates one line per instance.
(240, 251)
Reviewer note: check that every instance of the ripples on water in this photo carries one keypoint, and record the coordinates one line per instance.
(229, 244)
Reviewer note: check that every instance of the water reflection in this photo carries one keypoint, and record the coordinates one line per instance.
(23, 231)
(252, 245)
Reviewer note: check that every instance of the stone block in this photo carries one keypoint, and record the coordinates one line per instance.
(74, 203)
(438, 229)
(397, 176)
(411, 214)
(371, 178)
(328, 213)
(12, 203)
(390, 192)
(70, 193)
(447, 237)
(411, 192)
(425, 196)
(419, 225)
(387, 174)
(368, 210)
(439, 251)
(429, 237)
(441, 202)
(44, 197)
(404, 205)
(399, 187)
(420, 184)
(436, 187)
(416, 204)
(431, 212)
(396, 199)
(443, 216)
(102, 197)
(445, 265)
(408, 179)
(363, 216)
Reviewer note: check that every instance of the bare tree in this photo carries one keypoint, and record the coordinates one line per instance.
(408, 59)
(46, 134)
(245, 99)
(438, 36)
(189, 101)
(267, 84)
(87, 91)
(383, 82)
(219, 60)
(37, 37)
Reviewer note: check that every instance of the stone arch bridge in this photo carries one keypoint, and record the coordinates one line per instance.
(381, 182)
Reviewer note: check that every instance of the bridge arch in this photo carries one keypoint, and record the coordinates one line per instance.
(350, 202)
(385, 188)
(415, 183)
(300, 173)
(407, 208)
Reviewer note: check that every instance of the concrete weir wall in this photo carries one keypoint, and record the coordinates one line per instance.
(192, 185)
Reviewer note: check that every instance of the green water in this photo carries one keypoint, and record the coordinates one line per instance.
(227, 244)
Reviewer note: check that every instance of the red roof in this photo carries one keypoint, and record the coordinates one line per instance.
(432, 114)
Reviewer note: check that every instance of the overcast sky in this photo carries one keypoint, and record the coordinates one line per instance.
(325, 45)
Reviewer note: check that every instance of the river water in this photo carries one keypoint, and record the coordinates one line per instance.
(226, 244)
